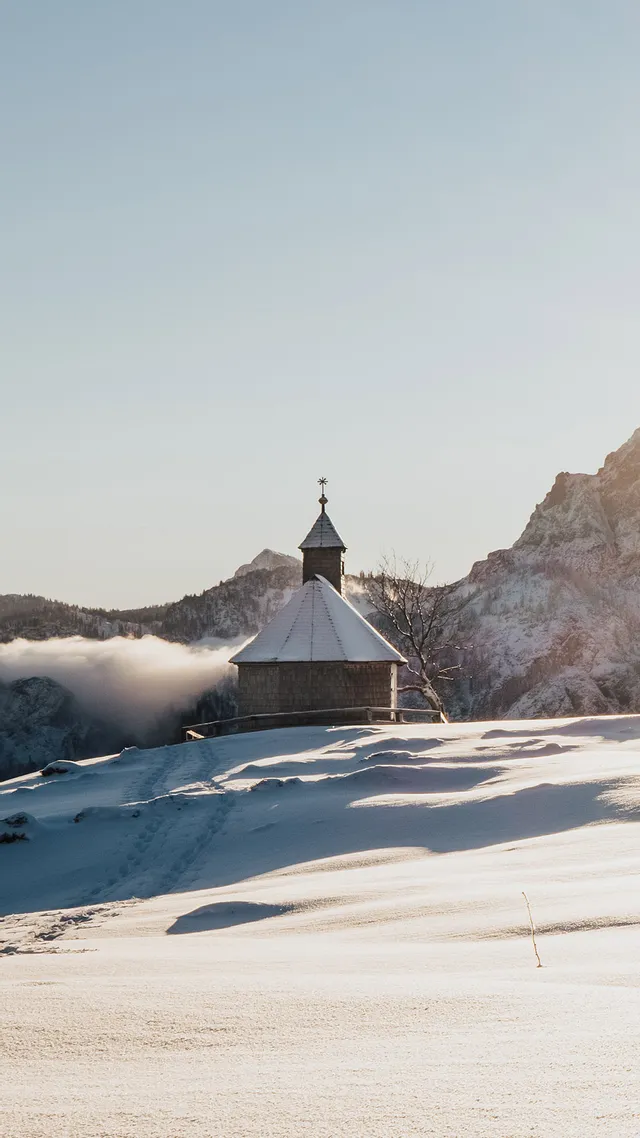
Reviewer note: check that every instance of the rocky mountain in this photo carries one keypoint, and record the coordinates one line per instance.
(269, 559)
(238, 607)
(553, 624)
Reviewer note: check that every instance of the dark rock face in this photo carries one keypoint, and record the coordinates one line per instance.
(555, 621)
(41, 722)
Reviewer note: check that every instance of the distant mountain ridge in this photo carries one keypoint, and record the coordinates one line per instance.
(39, 618)
(234, 608)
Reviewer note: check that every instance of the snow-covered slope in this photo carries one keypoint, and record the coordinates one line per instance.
(322, 932)
(555, 621)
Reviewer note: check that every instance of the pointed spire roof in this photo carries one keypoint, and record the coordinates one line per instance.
(318, 624)
(323, 534)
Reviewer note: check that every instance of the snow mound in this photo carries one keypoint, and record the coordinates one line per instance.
(14, 820)
(432, 778)
(265, 785)
(60, 767)
(19, 827)
(402, 757)
(226, 914)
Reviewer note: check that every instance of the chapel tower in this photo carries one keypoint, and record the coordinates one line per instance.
(323, 548)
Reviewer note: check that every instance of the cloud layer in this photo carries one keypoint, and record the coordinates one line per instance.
(131, 684)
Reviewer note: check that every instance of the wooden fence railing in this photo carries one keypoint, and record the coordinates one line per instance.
(324, 717)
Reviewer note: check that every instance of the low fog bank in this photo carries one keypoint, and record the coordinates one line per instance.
(130, 684)
(122, 692)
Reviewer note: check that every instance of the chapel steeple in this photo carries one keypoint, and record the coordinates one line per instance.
(323, 547)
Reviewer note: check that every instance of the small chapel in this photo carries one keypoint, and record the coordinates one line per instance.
(318, 652)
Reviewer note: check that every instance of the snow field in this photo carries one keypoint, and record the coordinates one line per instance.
(322, 932)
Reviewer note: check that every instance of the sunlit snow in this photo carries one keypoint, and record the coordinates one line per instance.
(322, 932)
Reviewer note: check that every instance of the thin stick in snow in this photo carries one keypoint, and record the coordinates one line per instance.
(533, 930)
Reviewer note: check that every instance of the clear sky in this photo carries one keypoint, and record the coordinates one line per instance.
(252, 242)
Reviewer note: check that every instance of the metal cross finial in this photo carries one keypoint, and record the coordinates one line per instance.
(322, 482)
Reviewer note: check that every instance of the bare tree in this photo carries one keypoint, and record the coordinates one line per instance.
(421, 619)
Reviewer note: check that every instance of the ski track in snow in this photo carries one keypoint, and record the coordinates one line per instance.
(145, 866)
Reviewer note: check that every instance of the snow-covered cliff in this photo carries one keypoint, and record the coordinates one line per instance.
(554, 622)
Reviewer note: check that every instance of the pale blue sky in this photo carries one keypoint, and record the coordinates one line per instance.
(253, 242)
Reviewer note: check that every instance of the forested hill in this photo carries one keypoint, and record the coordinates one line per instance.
(38, 618)
(234, 608)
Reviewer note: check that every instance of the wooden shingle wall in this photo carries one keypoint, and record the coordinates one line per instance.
(265, 688)
(325, 562)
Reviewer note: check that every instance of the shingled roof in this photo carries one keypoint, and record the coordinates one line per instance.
(323, 534)
(318, 624)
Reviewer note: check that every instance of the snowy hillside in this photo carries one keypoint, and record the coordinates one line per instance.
(322, 932)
